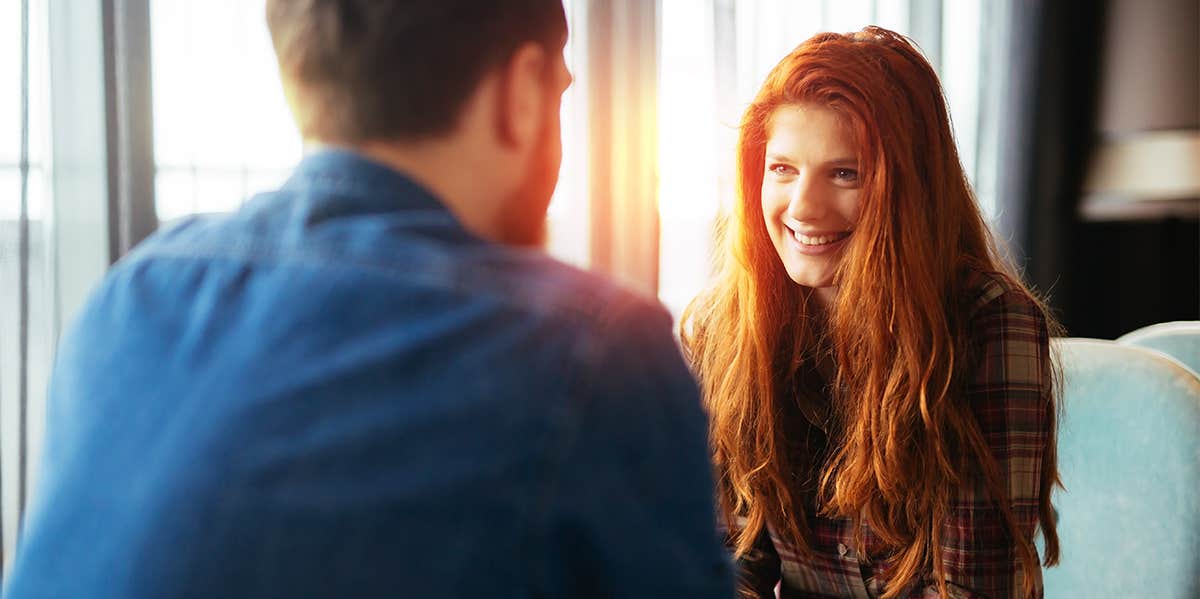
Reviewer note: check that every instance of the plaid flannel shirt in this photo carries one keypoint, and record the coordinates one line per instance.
(1007, 395)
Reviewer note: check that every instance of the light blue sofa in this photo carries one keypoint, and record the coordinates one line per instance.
(1180, 340)
(1129, 454)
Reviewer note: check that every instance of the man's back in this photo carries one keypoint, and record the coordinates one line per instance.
(338, 391)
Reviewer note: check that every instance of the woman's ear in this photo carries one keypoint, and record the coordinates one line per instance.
(522, 95)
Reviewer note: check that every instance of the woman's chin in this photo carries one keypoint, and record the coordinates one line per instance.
(814, 280)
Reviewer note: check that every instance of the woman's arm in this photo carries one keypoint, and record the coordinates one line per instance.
(1008, 395)
(758, 572)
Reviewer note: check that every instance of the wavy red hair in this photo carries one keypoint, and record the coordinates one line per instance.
(898, 326)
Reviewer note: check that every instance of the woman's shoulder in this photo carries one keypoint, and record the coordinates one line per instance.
(1008, 335)
(991, 292)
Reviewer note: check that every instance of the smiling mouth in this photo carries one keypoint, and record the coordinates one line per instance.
(819, 240)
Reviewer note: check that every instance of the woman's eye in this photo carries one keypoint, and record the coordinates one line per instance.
(846, 174)
(781, 169)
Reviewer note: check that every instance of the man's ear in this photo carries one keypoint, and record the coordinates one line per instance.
(521, 96)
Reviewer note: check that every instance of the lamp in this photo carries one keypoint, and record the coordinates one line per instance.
(1145, 175)
(1147, 164)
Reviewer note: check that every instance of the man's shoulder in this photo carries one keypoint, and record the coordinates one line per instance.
(390, 260)
(196, 237)
(531, 281)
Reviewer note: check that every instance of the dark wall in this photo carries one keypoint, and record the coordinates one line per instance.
(1127, 275)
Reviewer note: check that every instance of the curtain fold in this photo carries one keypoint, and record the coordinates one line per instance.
(1046, 134)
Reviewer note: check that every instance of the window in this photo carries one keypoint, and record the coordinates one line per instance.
(567, 218)
(27, 318)
(715, 54)
(222, 130)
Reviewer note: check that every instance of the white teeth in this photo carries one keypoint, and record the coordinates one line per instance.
(820, 240)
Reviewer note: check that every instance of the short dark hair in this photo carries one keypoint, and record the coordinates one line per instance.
(366, 70)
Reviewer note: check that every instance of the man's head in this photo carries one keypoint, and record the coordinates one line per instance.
(427, 82)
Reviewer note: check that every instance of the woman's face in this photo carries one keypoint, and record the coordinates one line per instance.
(810, 192)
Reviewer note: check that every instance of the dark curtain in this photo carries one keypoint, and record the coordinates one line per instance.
(1046, 137)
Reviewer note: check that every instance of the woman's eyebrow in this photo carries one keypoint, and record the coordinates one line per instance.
(848, 161)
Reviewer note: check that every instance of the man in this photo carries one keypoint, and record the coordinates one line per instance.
(369, 383)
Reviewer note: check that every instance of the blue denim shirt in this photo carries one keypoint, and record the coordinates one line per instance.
(338, 391)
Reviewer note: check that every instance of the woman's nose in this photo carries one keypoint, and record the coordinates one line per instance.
(808, 202)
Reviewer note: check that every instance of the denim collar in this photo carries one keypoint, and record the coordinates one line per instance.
(356, 183)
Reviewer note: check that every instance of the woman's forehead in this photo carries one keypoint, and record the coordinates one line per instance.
(810, 129)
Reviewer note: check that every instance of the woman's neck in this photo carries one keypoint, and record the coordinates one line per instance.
(824, 297)
(819, 303)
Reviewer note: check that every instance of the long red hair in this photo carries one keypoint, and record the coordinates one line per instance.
(897, 329)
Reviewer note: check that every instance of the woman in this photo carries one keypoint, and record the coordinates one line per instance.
(879, 380)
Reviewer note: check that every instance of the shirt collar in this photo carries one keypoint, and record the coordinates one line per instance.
(356, 183)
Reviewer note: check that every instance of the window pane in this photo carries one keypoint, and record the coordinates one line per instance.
(689, 167)
(219, 111)
(222, 130)
(567, 221)
(219, 190)
(175, 193)
(849, 15)
(893, 14)
(39, 327)
(10, 84)
(766, 30)
(39, 83)
(41, 316)
(960, 77)
(10, 363)
(10, 191)
(36, 290)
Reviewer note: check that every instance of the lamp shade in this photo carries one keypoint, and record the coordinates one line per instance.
(1144, 175)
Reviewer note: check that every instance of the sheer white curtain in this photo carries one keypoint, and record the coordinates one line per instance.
(716, 53)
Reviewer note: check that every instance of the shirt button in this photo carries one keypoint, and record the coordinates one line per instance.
(842, 549)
